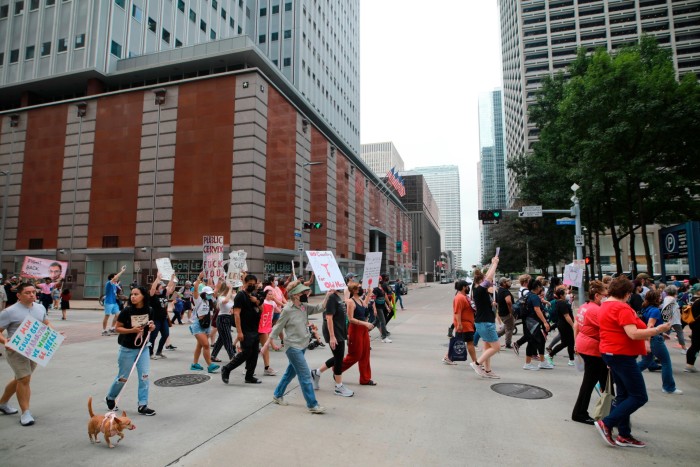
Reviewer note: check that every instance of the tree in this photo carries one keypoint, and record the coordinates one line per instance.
(623, 128)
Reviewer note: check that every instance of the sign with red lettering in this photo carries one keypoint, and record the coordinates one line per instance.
(35, 340)
(213, 256)
(326, 270)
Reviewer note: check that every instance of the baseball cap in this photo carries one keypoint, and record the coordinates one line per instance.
(298, 289)
(349, 276)
(643, 275)
(207, 290)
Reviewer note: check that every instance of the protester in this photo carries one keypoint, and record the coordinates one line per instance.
(264, 329)
(11, 291)
(11, 318)
(652, 316)
(535, 328)
(672, 311)
(187, 299)
(504, 300)
(381, 309)
(110, 302)
(523, 280)
(622, 336)
(158, 301)
(463, 319)
(587, 338)
(3, 295)
(636, 300)
(692, 352)
(65, 302)
(201, 326)
(224, 322)
(358, 334)
(46, 288)
(397, 292)
(565, 323)
(133, 325)
(485, 320)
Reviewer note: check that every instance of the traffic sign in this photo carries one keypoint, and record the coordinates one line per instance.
(300, 246)
(578, 240)
(566, 221)
(530, 211)
(297, 234)
(494, 221)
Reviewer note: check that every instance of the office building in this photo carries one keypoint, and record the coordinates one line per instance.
(381, 158)
(492, 162)
(314, 44)
(423, 210)
(443, 181)
(541, 37)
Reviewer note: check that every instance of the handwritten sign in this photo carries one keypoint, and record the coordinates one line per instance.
(35, 340)
(38, 268)
(165, 268)
(213, 256)
(326, 270)
(373, 267)
(573, 275)
(236, 265)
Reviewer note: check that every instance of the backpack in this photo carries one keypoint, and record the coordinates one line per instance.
(520, 307)
(687, 314)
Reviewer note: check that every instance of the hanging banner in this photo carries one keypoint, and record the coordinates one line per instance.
(213, 257)
(373, 268)
(39, 268)
(35, 340)
(326, 270)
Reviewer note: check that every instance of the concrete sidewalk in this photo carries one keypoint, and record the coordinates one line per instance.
(421, 412)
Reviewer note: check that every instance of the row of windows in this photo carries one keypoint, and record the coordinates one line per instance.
(19, 6)
(276, 9)
(274, 36)
(30, 51)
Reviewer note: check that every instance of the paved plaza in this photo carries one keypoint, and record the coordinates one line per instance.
(421, 412)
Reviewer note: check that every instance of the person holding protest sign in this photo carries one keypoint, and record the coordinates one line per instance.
(485, 320)
(110, 301)
(11, 318)
(158, 301)
(133, 325)
(201, 325)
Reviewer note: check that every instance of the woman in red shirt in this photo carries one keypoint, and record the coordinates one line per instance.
(622, 336)
(587, 335)
(463, 319)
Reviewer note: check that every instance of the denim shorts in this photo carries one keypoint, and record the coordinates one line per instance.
(195, 328)
(111, 308)
(487, 331)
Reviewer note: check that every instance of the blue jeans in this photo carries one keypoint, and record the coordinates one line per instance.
(399, 299)
(125, 360)
(630, 389)
(659, 350)
(297, 367)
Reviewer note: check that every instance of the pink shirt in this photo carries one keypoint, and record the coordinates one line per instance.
(45, 288)
(265, 326)
(588, 337)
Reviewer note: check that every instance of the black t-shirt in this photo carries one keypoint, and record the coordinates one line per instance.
(133, 315)
(484, 311)
(336, 308)
(501, 300)
(11, 295)
(159, 303)
(562, 308)
(533, 300)
(250, 315)
(636, 302)
(695, 309)
(379, 296)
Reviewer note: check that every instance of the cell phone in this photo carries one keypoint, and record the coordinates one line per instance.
(498, 250)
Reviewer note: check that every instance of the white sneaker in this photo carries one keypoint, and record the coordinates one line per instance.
(690, 369)
(317, 409)
(530, 366)
(676, 391)
(684, 351)
(343, 391)
(316, 378)
(549, 360)
(270, 372)
(546, 366)
(26, 419)
(279, 400)
(571, 363)
(447, 361)
(8, 409)
(386, 340)
(478, 369)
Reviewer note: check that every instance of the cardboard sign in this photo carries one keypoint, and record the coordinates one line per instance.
(213, 256)
(35, 340)
(236, 265)
(39, 268)
(373, 268)
(165, 268)
(326, 270)
(573, 275)
(138, 321)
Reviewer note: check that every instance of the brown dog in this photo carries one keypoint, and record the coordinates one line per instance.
(109, 425)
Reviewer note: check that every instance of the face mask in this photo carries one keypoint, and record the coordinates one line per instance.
(360, 291)
(276, 283)
(250, 289)
(304, 298)
(209, 296)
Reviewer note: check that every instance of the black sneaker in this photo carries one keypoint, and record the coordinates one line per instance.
(253, 381)
(111, 405)
(225, 372)
(170, 347)
(144, 410)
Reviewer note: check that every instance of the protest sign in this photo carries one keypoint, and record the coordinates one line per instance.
(373, 268)
(165, 268)
(326, 270)
(236, 265)
(213, 256)
(39, 268)
(35, 340)
(573, 275)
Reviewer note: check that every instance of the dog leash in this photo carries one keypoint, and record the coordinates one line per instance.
(139, 339)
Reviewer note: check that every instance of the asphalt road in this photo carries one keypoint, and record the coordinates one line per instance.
(420, 413)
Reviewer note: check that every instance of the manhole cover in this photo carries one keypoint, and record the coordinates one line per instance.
(521, 391)
(181, 380)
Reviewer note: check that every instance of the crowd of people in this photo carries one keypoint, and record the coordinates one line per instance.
(622, 328)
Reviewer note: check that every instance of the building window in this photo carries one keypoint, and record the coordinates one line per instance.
(45, 49)
(223, 13)
(263, 11)
(166, 36)
(203, 25)
(50, 2)
(274, 36)
(178, 43)
(137, 13)
(193, 16)
(152, 24)
(231, 23)
(120, 3)
(288, 34)
(287, 62)
(14, 56)
(214, 4)
(33, 5)
(212, 34)
(240, 3)
(288, 6)
(62, 45)
(247, 12)
(19, 7)
(4, 11)
(181, 5)
(29, 53)
(261, 39)
(36, 243)
(275, 9)
(110, 241)
(116, 49)
(80, 41)
(274, 62)
(240, 30)
(2, 58)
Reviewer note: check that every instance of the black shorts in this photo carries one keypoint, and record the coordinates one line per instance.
(466, 336)
(65, 305)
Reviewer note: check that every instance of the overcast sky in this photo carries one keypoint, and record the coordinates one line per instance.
(422, 68)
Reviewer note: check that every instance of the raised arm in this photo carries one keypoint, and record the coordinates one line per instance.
(491, 273)
(154, 285)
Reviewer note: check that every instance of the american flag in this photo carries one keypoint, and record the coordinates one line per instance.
(396, 181)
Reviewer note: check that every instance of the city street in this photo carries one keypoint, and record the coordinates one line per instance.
(421, 412)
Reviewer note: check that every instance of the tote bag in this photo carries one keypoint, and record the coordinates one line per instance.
(602, 407)
(458, 350)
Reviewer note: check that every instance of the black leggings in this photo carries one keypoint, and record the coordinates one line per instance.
(535, 343)
(595, 371)
(336, 361)
(567, 340)
(694, 346)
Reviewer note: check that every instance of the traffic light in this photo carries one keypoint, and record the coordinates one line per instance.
(312, 225)
(588, 260)
(489, 214)
(399, 247)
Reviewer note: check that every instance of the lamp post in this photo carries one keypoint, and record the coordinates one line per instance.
(301, 217)
(14, 122)
(425, 254)
(159, 100)
(81, 112)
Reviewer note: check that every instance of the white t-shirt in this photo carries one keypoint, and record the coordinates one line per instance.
(225, 308)
(201, 308)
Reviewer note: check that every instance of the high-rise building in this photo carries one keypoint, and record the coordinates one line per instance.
(315, 45)
(381, 158)
(541, 37)
(492, 168)
(443, 181)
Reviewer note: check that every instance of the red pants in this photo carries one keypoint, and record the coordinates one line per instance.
(358, 351)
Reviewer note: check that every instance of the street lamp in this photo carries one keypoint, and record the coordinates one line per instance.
(301, 217)
(14, 123)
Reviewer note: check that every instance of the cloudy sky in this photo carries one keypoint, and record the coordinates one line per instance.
(423, 66)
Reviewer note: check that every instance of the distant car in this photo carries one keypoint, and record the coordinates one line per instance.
(444, 280)
(404, 289)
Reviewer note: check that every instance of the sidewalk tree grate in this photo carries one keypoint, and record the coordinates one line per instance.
(181, 380)
(521, 391)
